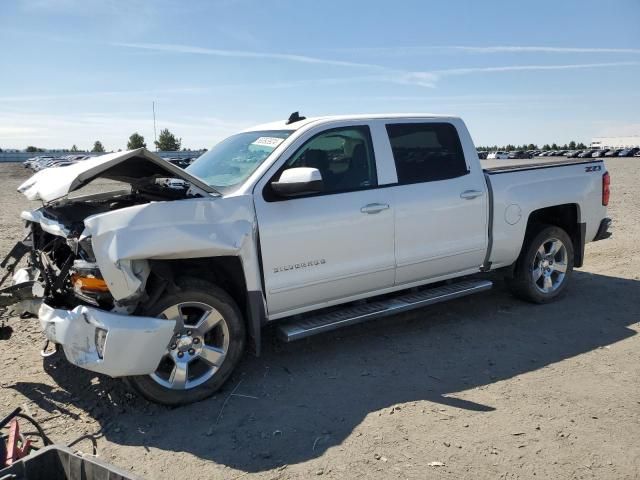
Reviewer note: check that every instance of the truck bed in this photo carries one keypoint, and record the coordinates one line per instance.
(508, 165)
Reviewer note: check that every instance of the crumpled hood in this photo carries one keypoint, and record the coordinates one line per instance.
(132, 166)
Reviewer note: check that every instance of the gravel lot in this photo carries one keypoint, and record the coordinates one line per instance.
(488, 386)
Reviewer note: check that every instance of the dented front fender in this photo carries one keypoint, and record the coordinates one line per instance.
(123, 240)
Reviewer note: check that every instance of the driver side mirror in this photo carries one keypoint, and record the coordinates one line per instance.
(298, 181)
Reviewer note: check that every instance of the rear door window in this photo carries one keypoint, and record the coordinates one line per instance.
(426, 152)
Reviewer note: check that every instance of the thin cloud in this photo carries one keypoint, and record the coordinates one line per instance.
(538, 49)
(422, 79)
(171, 48)
(429, 79)
(449, 49)
(515, 68)
(116, 93)
(426, 79)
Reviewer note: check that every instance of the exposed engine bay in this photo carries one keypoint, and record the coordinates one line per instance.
(61, 262)
(66, 264)
(96, 263)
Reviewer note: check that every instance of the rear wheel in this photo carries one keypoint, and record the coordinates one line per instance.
(207, 344)
(544, 266)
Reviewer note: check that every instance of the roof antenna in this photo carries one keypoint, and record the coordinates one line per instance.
(295, 117)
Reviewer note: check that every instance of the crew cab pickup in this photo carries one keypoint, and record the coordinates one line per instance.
(311, 223)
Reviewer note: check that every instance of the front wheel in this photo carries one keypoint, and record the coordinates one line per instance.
(207, 344)
(544, 266)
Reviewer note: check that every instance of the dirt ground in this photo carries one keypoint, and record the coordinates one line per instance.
(488, 386)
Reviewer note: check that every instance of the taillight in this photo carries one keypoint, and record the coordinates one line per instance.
(606, 188)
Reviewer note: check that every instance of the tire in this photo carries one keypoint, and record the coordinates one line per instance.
(538, 277)
(210, 355)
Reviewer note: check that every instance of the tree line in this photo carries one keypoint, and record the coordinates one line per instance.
(167, 142)
(572, 145)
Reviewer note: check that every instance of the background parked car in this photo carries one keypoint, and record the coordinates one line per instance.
(519, 154)
(586, 153)
(574, 153)
(49, 161)
(613, 152)
(498, 155)
(482, 155)
(179, 162)
(599, 153)
(34, 160)
(629, 152)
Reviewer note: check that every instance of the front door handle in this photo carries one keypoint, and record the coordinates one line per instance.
(374, 208)
(471, 194)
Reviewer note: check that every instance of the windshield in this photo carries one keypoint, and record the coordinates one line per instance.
(234, 159)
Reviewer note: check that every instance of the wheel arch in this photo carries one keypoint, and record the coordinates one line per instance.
(226, 272)
(566, 216)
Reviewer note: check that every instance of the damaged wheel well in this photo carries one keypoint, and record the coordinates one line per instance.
(226, 272)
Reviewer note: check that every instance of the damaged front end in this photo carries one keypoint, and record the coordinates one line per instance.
(90, 316)
(62, 258)
(74, 304)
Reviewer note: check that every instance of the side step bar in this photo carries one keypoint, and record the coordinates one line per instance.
(324, 322)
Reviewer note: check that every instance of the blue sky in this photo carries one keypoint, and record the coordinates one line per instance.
(75, 71)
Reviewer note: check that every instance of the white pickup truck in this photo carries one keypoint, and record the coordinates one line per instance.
(313, 224)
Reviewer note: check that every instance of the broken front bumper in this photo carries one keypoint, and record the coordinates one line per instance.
(104, 342)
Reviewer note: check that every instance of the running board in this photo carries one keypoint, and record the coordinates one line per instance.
(313, 325)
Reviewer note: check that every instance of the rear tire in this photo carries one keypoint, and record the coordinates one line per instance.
(209, 343)
(544, 266)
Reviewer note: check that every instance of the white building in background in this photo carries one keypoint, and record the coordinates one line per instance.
(616, 142)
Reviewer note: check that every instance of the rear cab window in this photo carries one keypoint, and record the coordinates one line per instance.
(426, 152)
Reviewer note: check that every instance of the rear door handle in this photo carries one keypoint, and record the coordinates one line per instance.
(471, 194)
(374, 208)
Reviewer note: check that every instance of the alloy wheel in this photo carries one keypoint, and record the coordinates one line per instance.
(197, 349)
(549, 265)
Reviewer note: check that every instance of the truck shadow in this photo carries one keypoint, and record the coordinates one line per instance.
(300, 399)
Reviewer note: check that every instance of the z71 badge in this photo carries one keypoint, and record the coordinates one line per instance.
(310, 263)
(593, 168)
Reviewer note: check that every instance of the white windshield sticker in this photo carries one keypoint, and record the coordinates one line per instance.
(268, 141)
